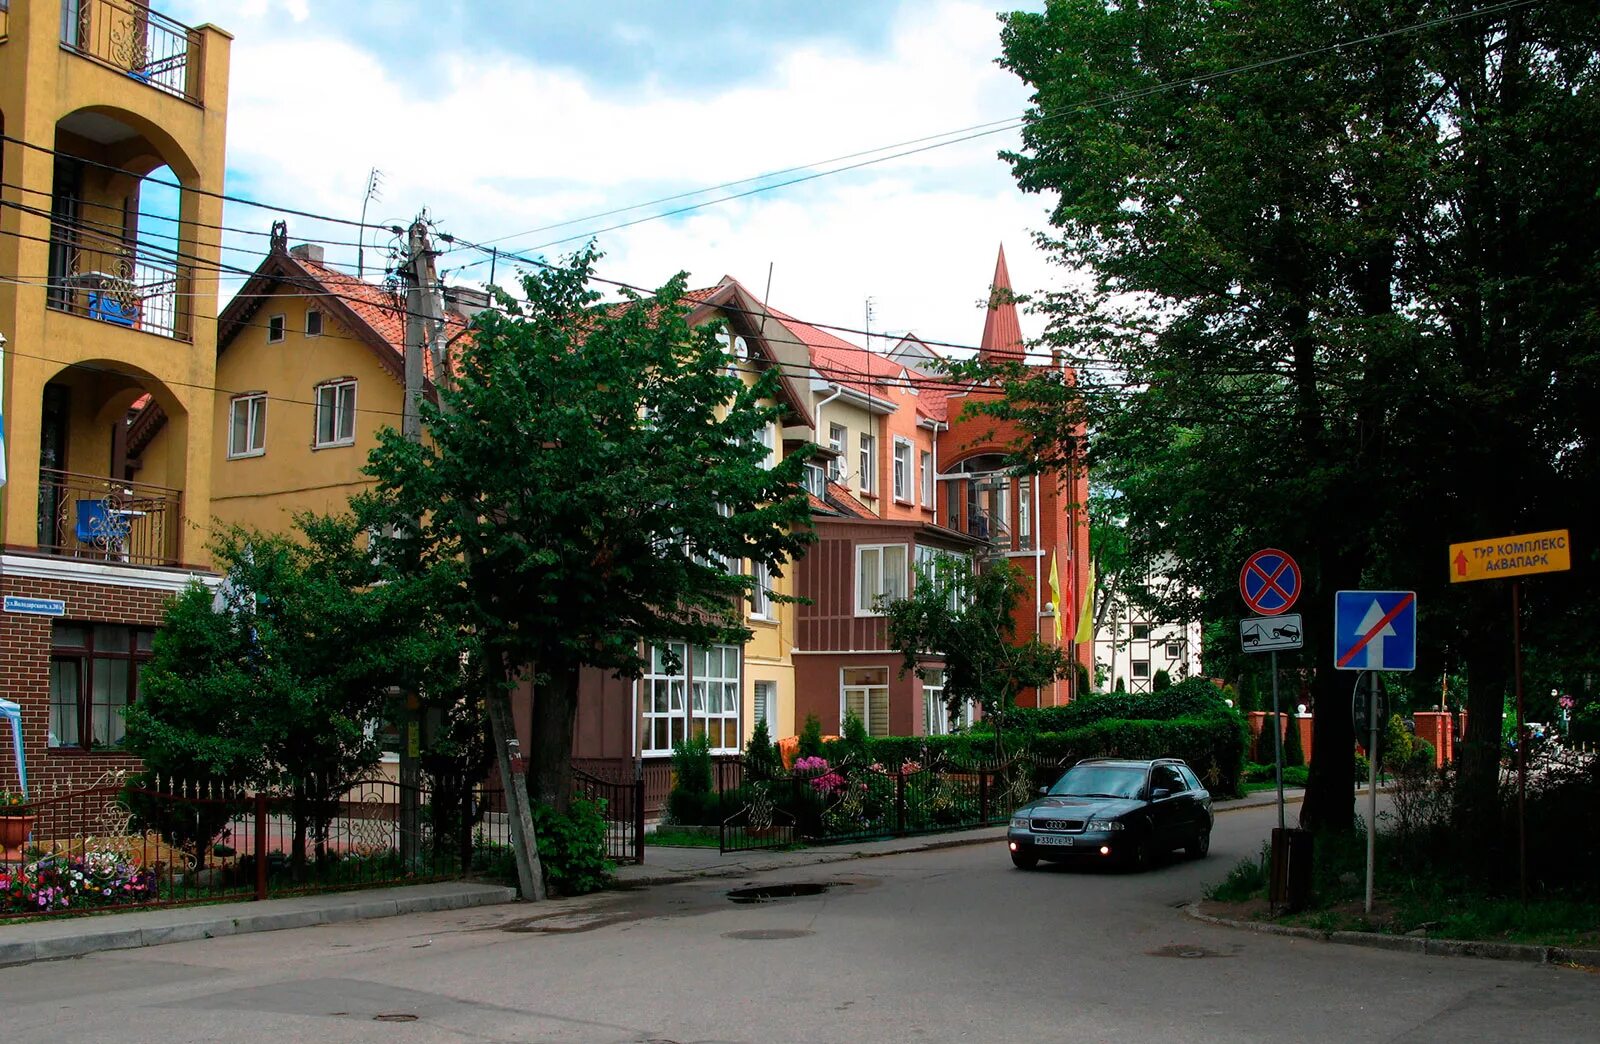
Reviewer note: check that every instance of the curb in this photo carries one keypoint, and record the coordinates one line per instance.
(742, 869)
(1494, 951)
(111, 937)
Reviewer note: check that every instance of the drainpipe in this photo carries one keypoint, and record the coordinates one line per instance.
(838, 390)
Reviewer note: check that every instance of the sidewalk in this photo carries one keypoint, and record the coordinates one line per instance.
(75, 936)
(670, 865)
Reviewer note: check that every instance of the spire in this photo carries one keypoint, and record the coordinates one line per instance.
(1002, 332)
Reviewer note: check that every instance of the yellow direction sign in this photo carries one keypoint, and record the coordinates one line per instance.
(1548, 552)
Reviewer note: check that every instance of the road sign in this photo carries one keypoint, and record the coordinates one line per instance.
(1270, 633)
(1375, 630)
(35, 606)
(1269, 582)
(1361, 705)
(1547, 552)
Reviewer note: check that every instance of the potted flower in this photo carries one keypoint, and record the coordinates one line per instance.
(16, 823)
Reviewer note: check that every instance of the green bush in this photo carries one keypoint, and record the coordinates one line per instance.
(691, 801)
(1161, 682)
(852, 744)
(1296, 775)
(761, 760)
(1189, 697)
(1294, 751)
(572, 847)
(810, 738)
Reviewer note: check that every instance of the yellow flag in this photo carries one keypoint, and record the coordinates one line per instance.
(1055, 595)
(1086, 618)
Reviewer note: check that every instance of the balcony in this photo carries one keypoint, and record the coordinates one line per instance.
(145, 45)
(108, 520)
(115, 286)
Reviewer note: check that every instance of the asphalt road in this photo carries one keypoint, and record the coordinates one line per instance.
(948, 945)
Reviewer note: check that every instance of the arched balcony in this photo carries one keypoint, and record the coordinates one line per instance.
(981, 494)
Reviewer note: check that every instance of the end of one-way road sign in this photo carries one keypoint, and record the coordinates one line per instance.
(1375, 630)
(1270, 633)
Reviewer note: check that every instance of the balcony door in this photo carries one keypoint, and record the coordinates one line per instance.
(52, 458)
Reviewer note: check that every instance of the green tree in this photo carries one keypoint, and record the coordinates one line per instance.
(1331, 295)
(964, 620)
(592, 484)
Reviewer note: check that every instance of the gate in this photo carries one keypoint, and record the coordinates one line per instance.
(753, 813)
(622, 806)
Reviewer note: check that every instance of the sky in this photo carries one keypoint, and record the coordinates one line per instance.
(502, 119)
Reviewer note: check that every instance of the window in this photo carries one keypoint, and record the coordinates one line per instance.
(765, 437)
(1174, 651)
(880, 573)
(247, 425)
(836, 440)
(714, 690)
(902, 470)
(761, 595)
(869, 464)
(1024, 514)
(1141, 668)
(1141, 632)
(274, 329)
(952, 511)
(1190, 780)
(1165, 777)
(865, 694)
(336, 414)
(814, 481)
(313, 323)
(94, 676)
(665, 722)
(936, 566)
(927, 480)
(935, 714)
(766, 706)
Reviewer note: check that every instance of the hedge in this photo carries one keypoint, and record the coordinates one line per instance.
(1195, 696)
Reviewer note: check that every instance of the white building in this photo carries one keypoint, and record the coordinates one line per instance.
(1132, 646)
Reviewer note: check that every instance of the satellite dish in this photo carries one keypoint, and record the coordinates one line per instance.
(740, 349)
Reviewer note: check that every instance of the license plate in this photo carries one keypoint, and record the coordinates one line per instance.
(1065, 842)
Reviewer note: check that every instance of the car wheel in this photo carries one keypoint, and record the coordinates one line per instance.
(1024, 862)
(1201, 844)
(1139, 858)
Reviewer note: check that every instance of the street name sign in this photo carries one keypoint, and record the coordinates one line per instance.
(1547, 552)
(1269, 582)
(35, 606)
(1258, 634)
(1375, 630)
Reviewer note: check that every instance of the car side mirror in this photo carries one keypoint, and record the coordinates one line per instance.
(1044, 790)
(1160, 792)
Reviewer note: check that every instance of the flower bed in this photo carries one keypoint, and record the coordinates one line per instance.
(90, 881)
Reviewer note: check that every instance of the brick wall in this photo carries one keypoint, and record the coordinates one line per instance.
(25, 674)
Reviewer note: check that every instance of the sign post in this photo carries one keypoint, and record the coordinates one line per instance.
(1502, 558)
(1270, 583)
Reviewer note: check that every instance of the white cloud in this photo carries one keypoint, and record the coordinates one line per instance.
(499, 145)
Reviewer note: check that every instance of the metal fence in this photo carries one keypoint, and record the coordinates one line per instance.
(131, 38)
(622, 806)
(106, 519)
(171, 842)
(849, 802)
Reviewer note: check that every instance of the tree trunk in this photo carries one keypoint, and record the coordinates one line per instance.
(1330, 802)
(1488, 661)
(555, 711)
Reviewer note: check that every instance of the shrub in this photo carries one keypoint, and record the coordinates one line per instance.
(761, 760)
(810, 738)
(1192, 696)
(853, 740)
(572, 847)
(1294, 751)
(1161, 682)
(691, 801)
(1246, 880)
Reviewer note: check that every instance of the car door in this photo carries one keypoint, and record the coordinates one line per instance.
(1168, 813)
(1199, 801)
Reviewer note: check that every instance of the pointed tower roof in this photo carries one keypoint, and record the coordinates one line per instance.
(1002, 332)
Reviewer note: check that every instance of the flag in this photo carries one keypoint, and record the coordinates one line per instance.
(1055, 595)
(2, 411)
(1086, 617)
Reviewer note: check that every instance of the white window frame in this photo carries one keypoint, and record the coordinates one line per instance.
(761, 594)
(927, 561)
(816, 480)
(664, 700)
(715, 696)
(838, 439)
(1024, 514)
(343, 410)
(878, 553)
(1174, 651)
(869, 464)
(322, 321)
(872, 694)
(935, 715)
(1134, 629)
(765, 436)
(927, 479)
(902, 470)
(1133, 670)
(255, 405)
(764, 706)
(278, 324)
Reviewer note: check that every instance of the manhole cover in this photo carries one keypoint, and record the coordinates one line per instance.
(1185, 950)
(394, 1016)
(767, 893)
(768, 934)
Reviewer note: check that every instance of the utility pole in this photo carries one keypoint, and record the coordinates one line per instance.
(425, 333)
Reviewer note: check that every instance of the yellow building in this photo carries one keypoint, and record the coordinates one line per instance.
(114, 120)
(314, 361)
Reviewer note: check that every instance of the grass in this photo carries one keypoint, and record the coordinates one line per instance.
(667, 837)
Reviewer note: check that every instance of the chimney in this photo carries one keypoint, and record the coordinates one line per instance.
(465, 300)
(307, 252)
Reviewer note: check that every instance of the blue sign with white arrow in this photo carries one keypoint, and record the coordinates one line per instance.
(1375, 630)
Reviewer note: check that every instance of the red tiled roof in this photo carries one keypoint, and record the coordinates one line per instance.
(1002, 332)
(845, 500)
(817, 503)
(383, 311)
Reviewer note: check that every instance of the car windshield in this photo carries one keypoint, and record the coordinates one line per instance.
(1113, 781)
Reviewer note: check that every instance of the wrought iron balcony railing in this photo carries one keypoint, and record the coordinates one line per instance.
(129, 37)
(108, 520)
(127, 290)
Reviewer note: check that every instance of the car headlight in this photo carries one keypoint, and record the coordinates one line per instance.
(1019, 822)
(1104, 824)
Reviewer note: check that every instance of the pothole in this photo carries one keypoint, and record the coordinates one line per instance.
(768, 893)
(768, 934)
(394, 1016)
(1188, 951)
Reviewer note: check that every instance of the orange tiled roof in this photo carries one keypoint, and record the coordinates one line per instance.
(379, 308)
(1002, 331)
(841, 496)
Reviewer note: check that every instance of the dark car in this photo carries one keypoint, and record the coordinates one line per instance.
(1116, 811)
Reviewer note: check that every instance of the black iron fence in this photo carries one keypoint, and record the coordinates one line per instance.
(108, 520)
(823, 804)
(157, 842)
(622, 805)
(128, 36)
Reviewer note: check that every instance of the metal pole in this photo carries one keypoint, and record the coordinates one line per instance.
(1372, 782)
(1277, 736)
(1522, 740)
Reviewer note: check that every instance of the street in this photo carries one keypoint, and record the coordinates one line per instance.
(944, 945)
